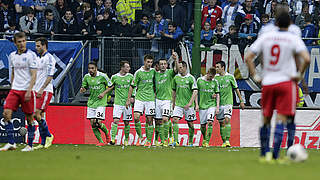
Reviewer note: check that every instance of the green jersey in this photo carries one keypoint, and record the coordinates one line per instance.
(96, 86)
(227, 83)
(121, 87)
(164, 84)
(206, 89)
(184, 86)
(144, 82)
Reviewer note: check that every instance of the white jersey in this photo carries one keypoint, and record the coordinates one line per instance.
(46, 67)
(278, 50)
(22, 64)
(272, 27)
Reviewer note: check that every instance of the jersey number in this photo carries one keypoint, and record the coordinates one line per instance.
(99, 114)
(275, 53)
(166, 112)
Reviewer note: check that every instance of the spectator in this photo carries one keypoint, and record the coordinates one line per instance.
(296, 7)
(231, 37)
(40, 6)
(271, 8)
(6, 15)
(174, 12)
(87, 26)
(157, 25)
(300, 18)
(248, 30)
(264, 20)
(48, 25)
(211, 14)
(22, 6)
(206, 35)
(52, 6)
(61, 7)
(219, 32)
(124, 9)
(112, 12)
(69, 24)
(142, 27)
(85, 7)
(204, 4)
(75, 6)
(11, 31)
(190, 32)
(106, 26)
(28, 23)
(124, 28)
(98, 10)
(248, 8)
(174, 32)
(232, 15)
(309, 31)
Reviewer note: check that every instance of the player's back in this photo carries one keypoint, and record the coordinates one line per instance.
(278, 50)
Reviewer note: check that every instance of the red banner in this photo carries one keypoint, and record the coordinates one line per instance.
(70, 126)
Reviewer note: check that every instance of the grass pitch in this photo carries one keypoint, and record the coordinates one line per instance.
(117, 162)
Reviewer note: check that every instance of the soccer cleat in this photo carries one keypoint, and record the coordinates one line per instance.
(205, 144)
(108, 139)
(9, 147)
(223, 145)
(228, 144)
(112, 142)
(40, 146)
(171, 140)
(165, 144)
(267, 159)
(147, 144)
(174, 144)
(49, 141)
(100, 144)
(157, 144)
(126, 143)
(27, 149)
(190, 145)
(138, 142)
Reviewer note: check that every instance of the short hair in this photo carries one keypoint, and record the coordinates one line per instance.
(107, 11)
(144, 15)
(87, 15)
(162, 59)
(172, 24)
(148, 56)
(184, 64)
(219, 22)
(222, 64)
(18, 36)
(212, 71)
(30, 11)
(47, 11)
(122, 63)
(265, 16)
(93, 63)
(43, 41)
(158, 13)
(283, 19)
(124, 17)
(307, 18)
(232, 27)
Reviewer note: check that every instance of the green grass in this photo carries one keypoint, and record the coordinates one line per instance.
(114, 162)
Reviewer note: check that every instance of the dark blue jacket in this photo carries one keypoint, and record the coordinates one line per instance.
(309, 32)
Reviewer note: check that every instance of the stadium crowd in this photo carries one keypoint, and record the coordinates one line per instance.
(222, 21)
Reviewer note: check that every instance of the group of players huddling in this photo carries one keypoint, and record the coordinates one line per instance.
(31, 87)
(161, 93)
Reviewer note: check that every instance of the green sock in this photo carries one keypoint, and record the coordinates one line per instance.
(157, 131)
(138, 129)
(228, 131)
(161, 134)
(126, 132)
(114, 129)
(175, 132)
(222, 133)
(170, 129)
(203, 132)
(150, 132)
(146, 129)
(191, 133)
(104, 129)
(97, 133)
(165, 130)
(209, 132)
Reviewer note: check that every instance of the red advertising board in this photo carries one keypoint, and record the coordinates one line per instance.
(70, 126)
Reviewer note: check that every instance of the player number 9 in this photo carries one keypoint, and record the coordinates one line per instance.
(275, 53)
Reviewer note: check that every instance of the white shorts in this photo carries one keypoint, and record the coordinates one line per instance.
(190, 114)
(147, 106)
(96, 113)
(207, 115)
(163, 108)
(119, 110)
(224, 112)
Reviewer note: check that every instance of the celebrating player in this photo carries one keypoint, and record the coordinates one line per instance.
(23, 64)
(183, 100)
(121, 83)
(44, 89)
(227, 84)
(209, 103)
(143, 81)
(163, 81)
(279, 74)
(97, 83)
